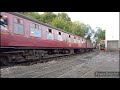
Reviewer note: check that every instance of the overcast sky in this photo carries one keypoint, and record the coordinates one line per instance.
(106, 20)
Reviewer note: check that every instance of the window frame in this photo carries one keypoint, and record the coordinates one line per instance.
(7, 30)
(36, 26)
(60, 34)
(49, 30)
(52, 32)
(69, 38)
(20, 24)
(75, 39)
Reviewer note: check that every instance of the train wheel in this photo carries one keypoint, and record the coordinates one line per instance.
(82, 51)
(4, 61)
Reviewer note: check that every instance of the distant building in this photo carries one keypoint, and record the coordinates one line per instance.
(119, 40)
(112, 41)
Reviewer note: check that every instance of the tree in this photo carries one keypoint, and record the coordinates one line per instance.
(48, 17)
(61, 23)
(78, 28)
(33, 15)
(100, 34)
(64, 16)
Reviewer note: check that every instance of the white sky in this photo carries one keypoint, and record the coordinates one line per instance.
(105, 20)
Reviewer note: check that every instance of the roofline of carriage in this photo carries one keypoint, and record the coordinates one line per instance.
(31, 19)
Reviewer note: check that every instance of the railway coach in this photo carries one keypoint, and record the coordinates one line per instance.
(23, 38)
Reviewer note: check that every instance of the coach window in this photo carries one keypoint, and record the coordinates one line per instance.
(75, 40)
(50, 30)
(69, 38)
(79, 40)
(35, 30)
(59, 33)
(82, 40)
(50, 34)
(59, 36)
(18, 26)
(3, 22)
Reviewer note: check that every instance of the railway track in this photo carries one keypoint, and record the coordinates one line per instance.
(58, 73)
(61, 67)
(44, 59)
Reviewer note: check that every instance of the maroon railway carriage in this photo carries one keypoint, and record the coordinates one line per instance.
(23, 37)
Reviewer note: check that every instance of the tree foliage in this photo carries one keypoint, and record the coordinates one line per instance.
(48, 17)
(64, 16)
(33, 15)
(78, 28)
(100, 34)
(61, 23)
